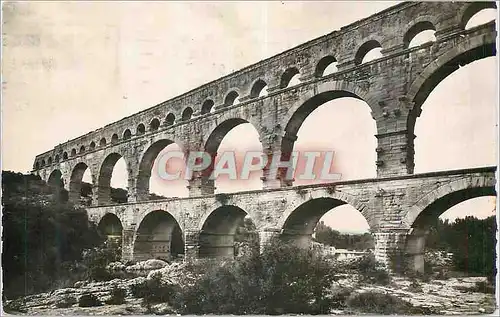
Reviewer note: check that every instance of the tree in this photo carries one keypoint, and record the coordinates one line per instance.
(471, 240)
(284, 279)
(327, 235)
(246, 238)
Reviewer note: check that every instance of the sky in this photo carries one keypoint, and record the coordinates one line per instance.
(72, 67)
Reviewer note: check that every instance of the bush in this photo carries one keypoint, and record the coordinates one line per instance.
(386, 304)
(372, 272)
(139, 290)
(283, 279)
(89, 300)
(203, 265)
(415, 287)
(339, 297)
(378, 303)
(66, 302)
(442, 274)
(97, 259)
(118, 295)
(154, 291)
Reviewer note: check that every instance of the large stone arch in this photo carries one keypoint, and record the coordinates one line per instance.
(221, 127)
(146, 163)
(310, 101)
(55, 179)
(448, 195)
(75, 182)
(321, 93)
(430, 206)
(475, 49)
(104, 178)
(299, 220)
(158, 235)
(217, 229)
(56, 182)
(111, 226)
(214, 138)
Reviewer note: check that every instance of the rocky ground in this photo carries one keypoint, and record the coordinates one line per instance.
(456, 296)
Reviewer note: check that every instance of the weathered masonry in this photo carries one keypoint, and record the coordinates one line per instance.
(396, 204)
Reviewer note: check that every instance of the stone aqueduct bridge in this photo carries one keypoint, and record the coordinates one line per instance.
(396, 204)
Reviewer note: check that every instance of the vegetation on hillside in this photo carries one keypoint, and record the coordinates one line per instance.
(43, 237)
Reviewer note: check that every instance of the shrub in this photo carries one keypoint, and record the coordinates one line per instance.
(203, 265)
(154, 291)
(302, 192)
(139, 290)
(222, 198)
(415, 286)
(97, 259)
(118, 295)
(339, 297)
(386, 304)
(442, 274)
(283, 279)
(372, 272)
(89, 300)
(378, 303)
(66, 302)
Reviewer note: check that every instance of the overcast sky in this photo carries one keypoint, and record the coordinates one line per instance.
(72, 67)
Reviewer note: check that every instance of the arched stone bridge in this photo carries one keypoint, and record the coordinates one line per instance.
(395, 208)
(394, 87)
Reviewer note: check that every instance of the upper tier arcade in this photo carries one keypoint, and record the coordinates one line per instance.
(394, 86)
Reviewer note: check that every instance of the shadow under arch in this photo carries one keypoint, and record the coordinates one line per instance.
(75, 184)
(56, 185)
(158, 236)
(218, 229)
(301, 222)
(55, 179)
(104, 179)
(111, 227)
(439, 201)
